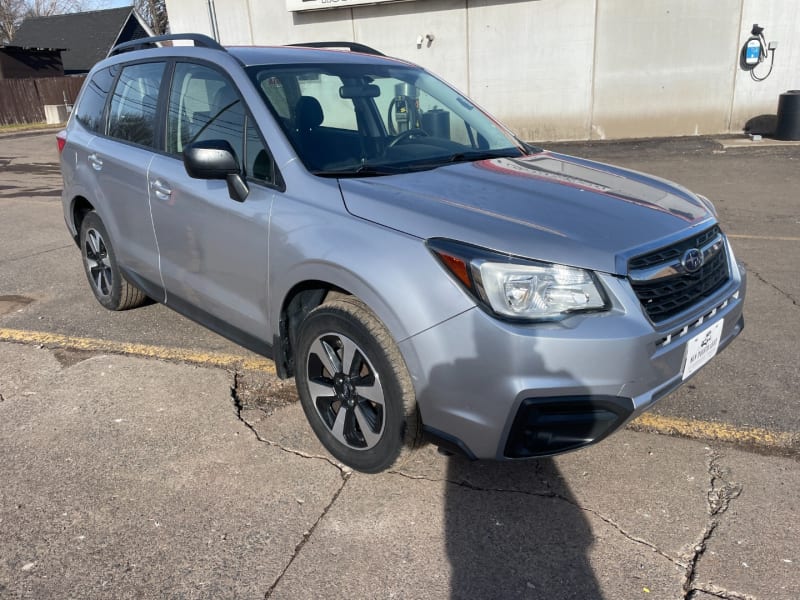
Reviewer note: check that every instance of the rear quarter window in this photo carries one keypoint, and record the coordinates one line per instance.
(89, 111)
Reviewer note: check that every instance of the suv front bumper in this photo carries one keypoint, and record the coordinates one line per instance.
(500, 390)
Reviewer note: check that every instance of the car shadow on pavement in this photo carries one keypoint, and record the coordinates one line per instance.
(515, 531)
(512, 529)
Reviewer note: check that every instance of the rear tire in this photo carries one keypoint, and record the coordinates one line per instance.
(354, 386)
(108, 283)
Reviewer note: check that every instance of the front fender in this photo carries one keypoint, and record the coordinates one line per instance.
(391, 272)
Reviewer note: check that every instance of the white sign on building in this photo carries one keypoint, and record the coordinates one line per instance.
(301, 5)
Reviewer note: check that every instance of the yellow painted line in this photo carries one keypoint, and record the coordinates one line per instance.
(702, 430)
(721, 432)
(214, 359)
(763, 238)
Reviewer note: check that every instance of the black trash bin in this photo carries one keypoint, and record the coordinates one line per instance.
(788, 127)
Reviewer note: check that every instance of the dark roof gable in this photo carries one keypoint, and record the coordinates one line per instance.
(87, 36)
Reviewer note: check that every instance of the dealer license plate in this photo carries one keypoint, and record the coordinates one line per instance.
(702, 348)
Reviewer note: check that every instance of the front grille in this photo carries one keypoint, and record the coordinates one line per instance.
(665, 296)
(670, 253)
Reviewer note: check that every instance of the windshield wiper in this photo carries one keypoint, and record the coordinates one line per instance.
(470, 156)
(530, 148)
(480, 155)
(368, 170)
(364, 170)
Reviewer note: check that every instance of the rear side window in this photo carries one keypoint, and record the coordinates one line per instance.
(132, 115)
(89, 112)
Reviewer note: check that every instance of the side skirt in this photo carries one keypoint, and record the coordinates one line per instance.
(207, 320)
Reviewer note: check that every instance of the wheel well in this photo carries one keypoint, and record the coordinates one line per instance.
(80, 208)
(301, 300)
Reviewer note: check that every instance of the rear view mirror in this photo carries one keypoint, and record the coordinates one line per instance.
(368, 90)
(215, 159)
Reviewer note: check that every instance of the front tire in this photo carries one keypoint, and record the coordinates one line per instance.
(108, 283)
(354, 386)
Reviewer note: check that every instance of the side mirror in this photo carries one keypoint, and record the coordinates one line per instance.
(215, 159)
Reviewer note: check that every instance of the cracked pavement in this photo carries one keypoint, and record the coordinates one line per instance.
(135, 477)
(509, 531)
(129, 477)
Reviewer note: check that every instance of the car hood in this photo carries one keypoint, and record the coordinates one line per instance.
(546, 206)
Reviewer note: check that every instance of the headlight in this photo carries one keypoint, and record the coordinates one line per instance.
(537, 291)
(518, 288)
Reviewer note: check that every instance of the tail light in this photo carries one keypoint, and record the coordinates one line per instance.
(61, 140)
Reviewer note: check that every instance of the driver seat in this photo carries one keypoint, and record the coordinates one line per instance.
(308, 117)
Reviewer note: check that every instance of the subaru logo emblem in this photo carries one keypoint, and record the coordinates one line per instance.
(692, 260)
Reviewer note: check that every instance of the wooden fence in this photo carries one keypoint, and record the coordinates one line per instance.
(23, 100)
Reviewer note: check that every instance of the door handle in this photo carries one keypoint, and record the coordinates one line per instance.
(95, 161)
(161, 189)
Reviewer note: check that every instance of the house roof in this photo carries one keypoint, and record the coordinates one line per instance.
(87, 36)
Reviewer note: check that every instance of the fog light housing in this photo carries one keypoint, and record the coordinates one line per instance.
(545, 426)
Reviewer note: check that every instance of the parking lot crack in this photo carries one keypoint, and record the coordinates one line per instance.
(307, 535)
(633, 538)
(718, 592)
(238, 407)
(11, 259)
(554, 496)
(345, 473)
(720, 494)
(782, 292)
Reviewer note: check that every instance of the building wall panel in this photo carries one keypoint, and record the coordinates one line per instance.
(557, 69)
(531, 65)
(664, 67)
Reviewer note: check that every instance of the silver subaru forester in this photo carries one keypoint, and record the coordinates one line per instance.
(419, 270)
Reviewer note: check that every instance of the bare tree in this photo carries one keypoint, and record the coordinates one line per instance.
(154, 12)
(46, 8)
(11, 14)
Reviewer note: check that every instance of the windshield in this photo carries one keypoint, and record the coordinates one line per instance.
(362, 120)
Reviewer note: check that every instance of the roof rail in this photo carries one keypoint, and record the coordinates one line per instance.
(352, 46)
(150, 42)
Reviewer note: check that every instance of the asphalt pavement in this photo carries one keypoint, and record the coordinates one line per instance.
(144, 457)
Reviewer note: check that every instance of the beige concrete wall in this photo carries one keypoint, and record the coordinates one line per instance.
(234, 22)
(664, 67)
(188, 16)
(531, 64)
(557, 69)
(781, 22)
(395, 30)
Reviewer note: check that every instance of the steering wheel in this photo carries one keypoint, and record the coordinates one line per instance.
(409, 133)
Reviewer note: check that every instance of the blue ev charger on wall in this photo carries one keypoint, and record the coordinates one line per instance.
(755, 51)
